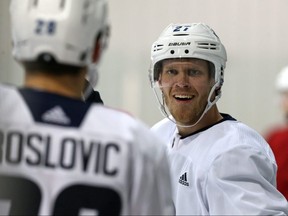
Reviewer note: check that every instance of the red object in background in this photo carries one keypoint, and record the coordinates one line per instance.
(278, 141)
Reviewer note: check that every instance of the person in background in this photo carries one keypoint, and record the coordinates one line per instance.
(89, 94)
(219, 166)
(60, 155)
(278, 136)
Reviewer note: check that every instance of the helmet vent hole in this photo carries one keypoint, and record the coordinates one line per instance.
(180, 34)
(172, 52)
(205, 45)
(186, 51)
(158, 47)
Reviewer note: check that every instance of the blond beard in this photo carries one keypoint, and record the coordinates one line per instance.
(185, 118)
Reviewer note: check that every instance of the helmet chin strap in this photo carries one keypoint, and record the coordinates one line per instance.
(91, 79)
(92, 74)
(208, 107)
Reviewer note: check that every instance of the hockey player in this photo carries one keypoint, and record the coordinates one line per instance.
(58, 154)
(89, 94)
(219, 165)
(278, 136)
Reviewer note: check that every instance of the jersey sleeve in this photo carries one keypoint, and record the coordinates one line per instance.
(151, 191)
(242, 181)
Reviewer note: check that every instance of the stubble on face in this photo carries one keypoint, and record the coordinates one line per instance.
(187, 112)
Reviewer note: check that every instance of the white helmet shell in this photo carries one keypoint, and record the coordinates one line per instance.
(196, 40)
(282, 80)
(66, 30)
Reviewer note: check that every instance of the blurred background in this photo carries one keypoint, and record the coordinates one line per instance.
(254, 32)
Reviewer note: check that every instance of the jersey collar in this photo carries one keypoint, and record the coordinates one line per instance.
(226, 117)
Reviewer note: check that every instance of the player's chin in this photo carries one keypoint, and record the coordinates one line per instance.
(182, 116)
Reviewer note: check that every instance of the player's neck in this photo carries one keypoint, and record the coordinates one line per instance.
(66, 85)
(211, 117)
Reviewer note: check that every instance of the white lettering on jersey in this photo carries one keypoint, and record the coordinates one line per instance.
(35, 149)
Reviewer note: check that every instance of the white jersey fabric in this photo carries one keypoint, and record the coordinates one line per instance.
(63, 156)
(224, 169)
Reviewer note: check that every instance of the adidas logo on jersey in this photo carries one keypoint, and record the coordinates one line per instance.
(56, 115)
(183, 179)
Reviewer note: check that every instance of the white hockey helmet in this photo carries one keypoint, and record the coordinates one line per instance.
(196, 40)
(189, 40)
(282, 80)
(63, 29)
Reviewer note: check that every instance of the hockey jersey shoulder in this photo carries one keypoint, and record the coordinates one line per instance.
(6, 88)
(234, 136)
(164, 125)
(30, 105)
(11, 107)
(111, 121)
(164, 129)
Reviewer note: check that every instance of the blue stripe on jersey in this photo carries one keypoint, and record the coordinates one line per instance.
(54, 109)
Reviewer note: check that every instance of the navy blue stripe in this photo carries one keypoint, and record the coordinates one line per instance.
(40, 102)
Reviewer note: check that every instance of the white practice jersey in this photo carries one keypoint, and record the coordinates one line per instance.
(63, 156)
(225, 169)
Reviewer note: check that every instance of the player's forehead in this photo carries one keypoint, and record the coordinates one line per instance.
(185, 62)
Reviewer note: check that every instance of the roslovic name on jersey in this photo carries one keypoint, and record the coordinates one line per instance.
(92, 156)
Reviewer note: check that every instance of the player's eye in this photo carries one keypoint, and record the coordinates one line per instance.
(171, 72)
(193, 72)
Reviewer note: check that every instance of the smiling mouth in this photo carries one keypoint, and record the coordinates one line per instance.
(183, 97)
